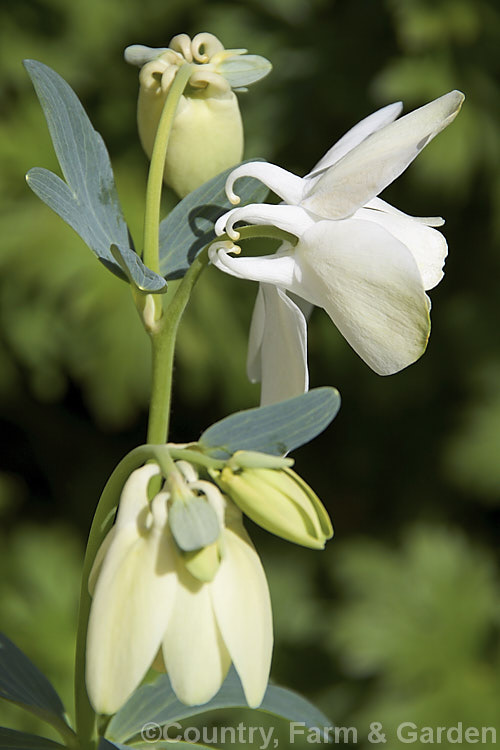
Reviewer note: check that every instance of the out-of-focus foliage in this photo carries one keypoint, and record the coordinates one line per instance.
(423, 623)
(39, 590)
(375, 631)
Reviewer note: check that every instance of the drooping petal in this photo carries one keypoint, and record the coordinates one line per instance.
(287, 185)
(99, 559)
(291, 219)
(379, 205)
(366, 170)
(370, 286)
(132, 602)
(195, 656)
(134, 499)
(278, 269)
(427, 245)
(277, 351)
(356, 135)
(242, 606)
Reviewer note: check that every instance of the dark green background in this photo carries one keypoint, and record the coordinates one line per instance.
(399, 619)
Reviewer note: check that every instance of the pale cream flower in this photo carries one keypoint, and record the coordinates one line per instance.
(145, 601)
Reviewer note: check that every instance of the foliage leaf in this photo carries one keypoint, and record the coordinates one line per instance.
(22, 683)
(193, 523)
(88, 200)
(10, 739)
(105, 744)
(158, 704)
(275, 429)
(134, 269)
(242, 70)
(189, 227)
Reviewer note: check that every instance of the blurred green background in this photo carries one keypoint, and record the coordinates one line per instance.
(399, 619)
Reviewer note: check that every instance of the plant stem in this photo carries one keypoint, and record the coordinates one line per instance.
(163, 343)
(155, 177)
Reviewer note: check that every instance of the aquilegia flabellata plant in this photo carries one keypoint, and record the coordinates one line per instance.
(171, 579)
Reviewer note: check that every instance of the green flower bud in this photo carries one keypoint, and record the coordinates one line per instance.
(257, 460)
(280, 501)
(207, 133)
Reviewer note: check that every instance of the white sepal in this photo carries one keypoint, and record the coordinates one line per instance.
(132, 603)
(195, 656)
(427, 245)
(277, 348)
(369, 284)
(356, 135)
(242, 606)
(376, 162)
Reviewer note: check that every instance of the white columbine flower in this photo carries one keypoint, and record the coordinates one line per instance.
(146, 604)
(363, 261)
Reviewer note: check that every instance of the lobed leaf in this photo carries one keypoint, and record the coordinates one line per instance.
(136, 272)
(277, 428)
(88, 200)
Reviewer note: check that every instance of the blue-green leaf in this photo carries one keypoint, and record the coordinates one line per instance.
(105, 744)
(276, 429)
(134, 269)
(194, 523)
(242, 70)
(189, 227)
(22, 683)
(10, 739)
(88, 200)
(157, 704)
(152, 743)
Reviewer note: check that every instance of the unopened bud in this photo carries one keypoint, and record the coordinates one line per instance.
(207, 133)
(279, 501)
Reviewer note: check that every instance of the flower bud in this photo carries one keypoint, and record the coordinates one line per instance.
(280, 501)
(207, 133)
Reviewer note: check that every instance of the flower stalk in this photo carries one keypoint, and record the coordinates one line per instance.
(155, 177)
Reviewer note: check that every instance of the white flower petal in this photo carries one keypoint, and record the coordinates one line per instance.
(427, 245)
(281, 358)
(291, 219)
(371, 288)
(366, 170)
(132, 602)
(278, 269)
(242, 605)
(379, 205)
(288, 186)
(255, 338)
(99, 559)
(134, 495)
(356, 135)
(195, 656)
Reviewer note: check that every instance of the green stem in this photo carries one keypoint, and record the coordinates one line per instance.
(163, 343)
(103, 518)
(155, 177)
(195, 457)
